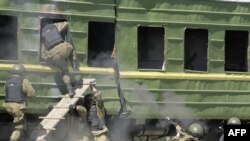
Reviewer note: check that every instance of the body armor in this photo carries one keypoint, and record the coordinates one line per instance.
(51, 36)
(94, 120)
(14, 91)
(94, 116)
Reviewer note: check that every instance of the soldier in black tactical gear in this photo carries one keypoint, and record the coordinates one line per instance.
(17, 88)
(56, 50)
(92, 111)
(94, 118)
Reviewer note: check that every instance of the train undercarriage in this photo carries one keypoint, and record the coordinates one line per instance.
(120, 129)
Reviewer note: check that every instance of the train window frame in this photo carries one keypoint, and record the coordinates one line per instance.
(51, 20)
(161, 59)
(229, 43)
(15, 57)
(187, 43)
(96, 56)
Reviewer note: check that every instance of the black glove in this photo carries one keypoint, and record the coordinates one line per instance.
(72, 109)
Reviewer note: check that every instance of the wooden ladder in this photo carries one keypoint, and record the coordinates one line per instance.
(59, 111)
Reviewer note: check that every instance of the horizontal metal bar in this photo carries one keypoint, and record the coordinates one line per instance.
(80, 2)
(37, 29)
(29, 50)
(132, 102)
(150, 21)
(189, 103)
(67, 96)
(216, 40)
(175, 59)
(216, 60)
(175, 39)
(184, 11)
(193, 91)
(56, 118)
(142, 75)
(150, 70)
(29, 28)
(20, 11)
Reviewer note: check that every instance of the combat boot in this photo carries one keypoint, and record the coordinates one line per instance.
(71, 92)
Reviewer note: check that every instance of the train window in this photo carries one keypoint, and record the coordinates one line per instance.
(8, 38)
(150, 47)
(101, 37)
(236, 43)
(195, 47)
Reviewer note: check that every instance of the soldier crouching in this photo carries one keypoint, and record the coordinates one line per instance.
(195, 133)
(92, 111)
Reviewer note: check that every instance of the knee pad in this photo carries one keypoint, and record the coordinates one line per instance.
(82, 112)
(16, 135)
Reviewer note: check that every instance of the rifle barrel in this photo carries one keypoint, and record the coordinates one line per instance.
(119, 89)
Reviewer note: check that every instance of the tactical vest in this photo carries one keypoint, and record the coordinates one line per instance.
(14, 90)
(51, 36)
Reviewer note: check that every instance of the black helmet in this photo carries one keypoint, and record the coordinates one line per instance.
(196, 130)
(89, 100)
(18, 69)
(234, 121)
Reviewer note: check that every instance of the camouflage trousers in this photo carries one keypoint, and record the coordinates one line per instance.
(16, 110)
(100, 135)
(97, 135)
(58, 57)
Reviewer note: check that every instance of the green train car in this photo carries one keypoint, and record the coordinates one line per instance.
(184, 59)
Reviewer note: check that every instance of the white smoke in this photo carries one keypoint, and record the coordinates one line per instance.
(171, 105)
(102, 59)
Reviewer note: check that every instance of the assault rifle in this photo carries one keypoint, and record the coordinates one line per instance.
(181, 133)
(75, 62)
(178, 127)
(73, 58)
(123, 112)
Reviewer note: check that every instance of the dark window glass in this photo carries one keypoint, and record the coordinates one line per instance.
(100, 44)
(196, 44)
(8, 38)
(150, 47)
(236, 43)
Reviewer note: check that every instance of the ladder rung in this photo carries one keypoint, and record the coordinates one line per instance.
(36, 128)
(41, 128)
(52, 118)
(91, 83)
(50, 129)
(58, 107)
(67, 96)
(40, 140)
(50, 121)
(64, 96)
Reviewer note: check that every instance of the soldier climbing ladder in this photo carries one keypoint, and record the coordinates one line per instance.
(59, 111)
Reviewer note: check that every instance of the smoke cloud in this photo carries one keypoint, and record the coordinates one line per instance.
(175, 107)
